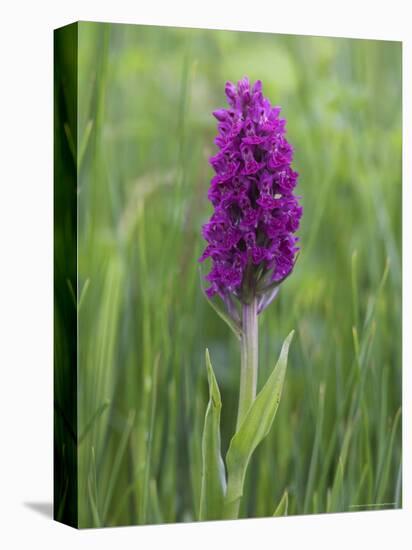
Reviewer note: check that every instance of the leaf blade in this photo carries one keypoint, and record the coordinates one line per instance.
(282, 507)
(253, 429)
(213, 483)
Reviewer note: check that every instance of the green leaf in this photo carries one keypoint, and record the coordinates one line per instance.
(116, 467)
(337, 500)
(99, 411)
(92, 487)
(73, 294)
(83, 294)
(316, 449)
(213, 470)
(70, 140)
(85, 141)
(282, 507)
(384, 474)
(253, 429)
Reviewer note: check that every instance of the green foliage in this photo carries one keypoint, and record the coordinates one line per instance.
(213, 470)
(145, 132)
(282, 507)
(253, 429)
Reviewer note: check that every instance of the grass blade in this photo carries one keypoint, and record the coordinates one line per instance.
(316, 447)
(384, 474)
(282, 507)
(117, 463)
(213, 471)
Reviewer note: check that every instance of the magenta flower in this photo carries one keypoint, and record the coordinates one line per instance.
(252, 245)
(251, 234)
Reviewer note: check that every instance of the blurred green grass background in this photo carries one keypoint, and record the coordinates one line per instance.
(145, 132)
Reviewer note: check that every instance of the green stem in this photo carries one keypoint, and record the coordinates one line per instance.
(248, 359)
(231, 509)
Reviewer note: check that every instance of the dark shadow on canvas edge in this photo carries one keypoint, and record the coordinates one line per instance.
(43, 508)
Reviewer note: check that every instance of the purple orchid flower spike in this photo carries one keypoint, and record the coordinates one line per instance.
(251, 233)
(252, 246)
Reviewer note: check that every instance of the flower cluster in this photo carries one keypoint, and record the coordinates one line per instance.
(250, 235)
